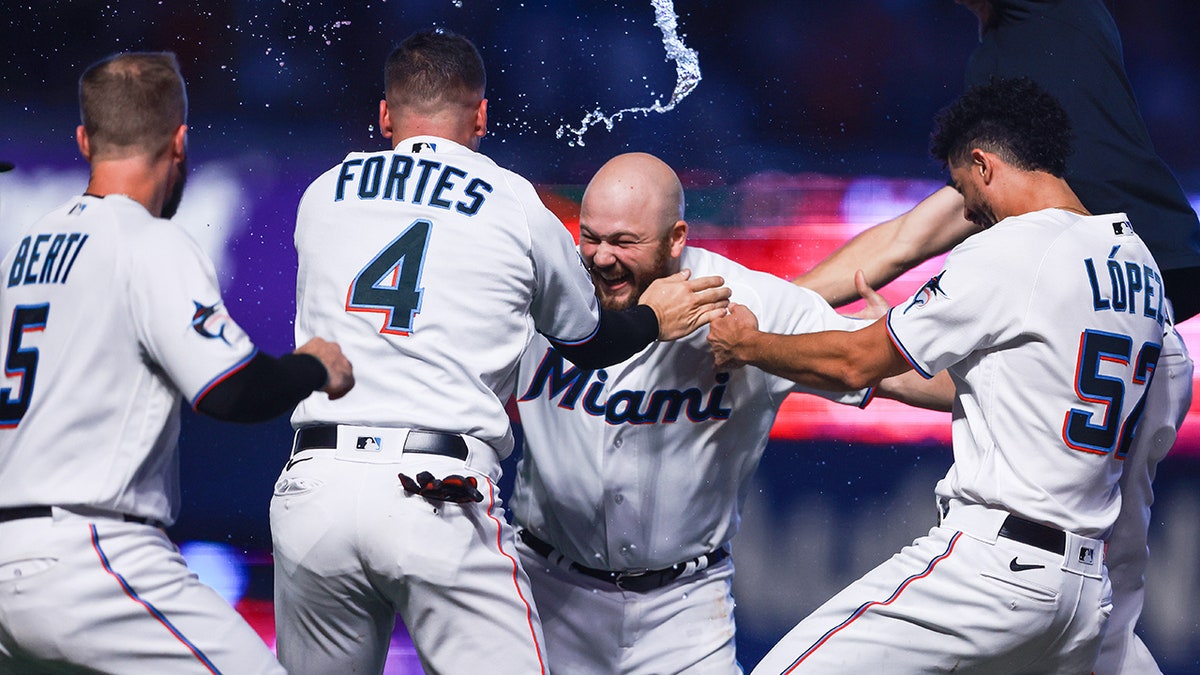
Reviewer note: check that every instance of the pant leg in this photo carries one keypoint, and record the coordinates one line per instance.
(79, 595)
(595, 628)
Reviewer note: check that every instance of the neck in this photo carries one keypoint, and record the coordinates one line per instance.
(142, 180)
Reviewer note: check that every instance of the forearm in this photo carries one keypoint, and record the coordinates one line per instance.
(264, 388)
(831, 360)
(910, 388)
(619, 336)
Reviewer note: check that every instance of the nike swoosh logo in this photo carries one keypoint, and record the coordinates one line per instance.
(1019, 567)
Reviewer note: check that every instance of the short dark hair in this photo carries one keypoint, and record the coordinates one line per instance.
(434, 68)
(132, 102)
(1012, 117)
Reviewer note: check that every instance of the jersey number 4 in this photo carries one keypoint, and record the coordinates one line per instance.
(21, 362)
(1112, 433)
(391, 283)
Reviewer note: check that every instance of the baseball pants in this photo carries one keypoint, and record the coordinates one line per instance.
(962, 600)
(353, 549)
(594, 628)
(98, 594)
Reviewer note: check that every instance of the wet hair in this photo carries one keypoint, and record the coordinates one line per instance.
(432, 69)
(1014, 118)
(132, 103)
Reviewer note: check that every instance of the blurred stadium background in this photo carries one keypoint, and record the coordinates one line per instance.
(809, 125)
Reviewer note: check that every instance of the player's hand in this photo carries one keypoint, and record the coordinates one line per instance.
(339, 378)
(683, 304)
(727, 336)
(877, 305)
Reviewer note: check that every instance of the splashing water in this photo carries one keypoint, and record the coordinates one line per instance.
(687, 74)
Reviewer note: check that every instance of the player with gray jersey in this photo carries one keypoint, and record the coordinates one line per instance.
(109, 314)
(436, 267)
(632, 476)
(1050, 321)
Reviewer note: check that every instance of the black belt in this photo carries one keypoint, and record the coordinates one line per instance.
(1034, 534)
(21, 512)
(638, 582)
(427, 442)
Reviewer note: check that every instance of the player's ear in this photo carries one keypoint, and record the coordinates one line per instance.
(84, 143)
(385, 119)
(179, 143)
(678, 237)
(982, 162)
(481, 118)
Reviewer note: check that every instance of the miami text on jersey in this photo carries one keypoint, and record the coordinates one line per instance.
(45, 258)
(422, 181)
(1126, 280)
(556, 377)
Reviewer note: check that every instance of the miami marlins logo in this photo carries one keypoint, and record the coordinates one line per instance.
(928, 292)
(206, 318)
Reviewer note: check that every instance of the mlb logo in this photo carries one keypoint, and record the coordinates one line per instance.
(1087, 556)
(368, 444)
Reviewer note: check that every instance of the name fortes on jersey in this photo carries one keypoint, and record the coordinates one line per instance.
(1128, 286)
(555, 377)
(417, 181)
(45, 258)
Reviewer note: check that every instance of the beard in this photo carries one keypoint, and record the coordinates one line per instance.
(659, 267)
(171, 205)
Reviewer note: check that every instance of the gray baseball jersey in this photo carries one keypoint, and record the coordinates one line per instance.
(108, 316)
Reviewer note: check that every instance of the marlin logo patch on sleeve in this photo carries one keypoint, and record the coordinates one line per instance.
(209, 321)
(927, 293)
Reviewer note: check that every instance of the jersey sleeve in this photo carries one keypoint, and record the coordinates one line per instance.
(785, 308)
(977, 301)
(178, 313)
(564, 305)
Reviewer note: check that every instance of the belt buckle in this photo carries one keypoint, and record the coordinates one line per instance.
(641, 582)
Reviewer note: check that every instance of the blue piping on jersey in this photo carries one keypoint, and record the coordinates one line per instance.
(222, 377)
(572, 343)
(904, 351)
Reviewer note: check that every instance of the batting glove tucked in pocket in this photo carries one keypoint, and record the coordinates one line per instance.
(452, 488)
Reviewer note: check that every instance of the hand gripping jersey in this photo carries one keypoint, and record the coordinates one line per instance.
(441, 266)
(614, 457)
(1051, 325)
(108, 315)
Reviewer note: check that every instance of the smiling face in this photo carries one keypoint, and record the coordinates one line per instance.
(631, 228)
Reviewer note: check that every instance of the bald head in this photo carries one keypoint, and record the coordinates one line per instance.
(631, 227)
(637, 185)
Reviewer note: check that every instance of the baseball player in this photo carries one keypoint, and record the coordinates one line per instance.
(1073, 49)
(109, 313)
(632, 477)
(1050, 321)
(435, 266)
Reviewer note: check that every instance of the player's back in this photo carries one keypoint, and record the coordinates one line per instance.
(430, 266)
(1054, 397)
(85, 419)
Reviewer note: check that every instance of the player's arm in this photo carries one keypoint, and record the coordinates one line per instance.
(265, 387)
(831, 360)
(910, 388)
(670, 308)
(885, 251)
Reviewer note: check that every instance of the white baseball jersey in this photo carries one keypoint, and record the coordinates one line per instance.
(613, 457)
(440, 269)
(108, 315)
(1051, 325)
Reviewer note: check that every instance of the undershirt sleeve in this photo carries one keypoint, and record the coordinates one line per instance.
(263, 388)
(619, 336)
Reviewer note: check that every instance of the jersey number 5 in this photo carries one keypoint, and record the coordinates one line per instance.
(21, 362)
(1112, 433)
(391, 283)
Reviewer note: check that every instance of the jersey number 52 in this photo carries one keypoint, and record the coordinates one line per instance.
(1112, 433)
